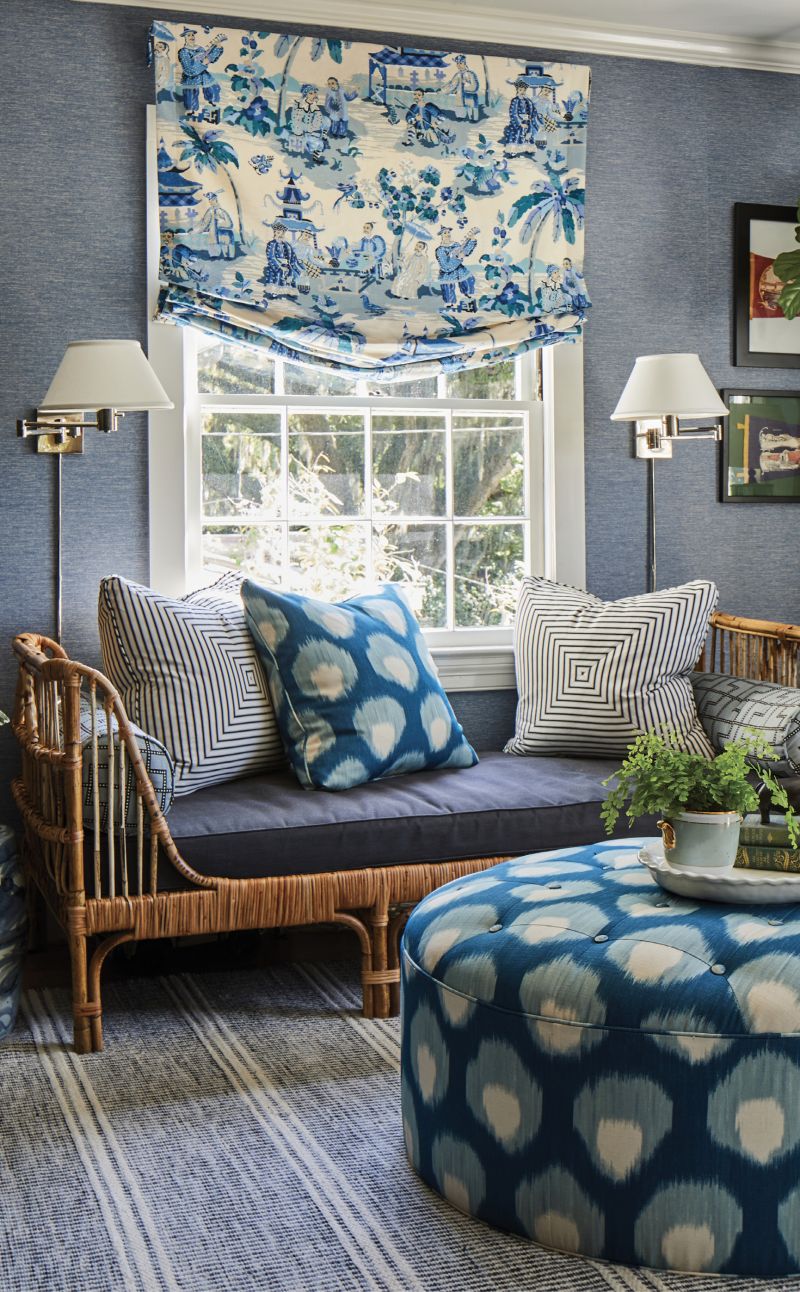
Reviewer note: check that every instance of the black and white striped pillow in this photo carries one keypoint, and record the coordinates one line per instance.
(187, 672)
(592, 675)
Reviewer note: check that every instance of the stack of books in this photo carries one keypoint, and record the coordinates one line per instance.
(766, 846)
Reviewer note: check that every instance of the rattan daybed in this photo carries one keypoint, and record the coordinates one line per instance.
(106, 887)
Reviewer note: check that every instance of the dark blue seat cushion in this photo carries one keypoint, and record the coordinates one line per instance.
(505, 805)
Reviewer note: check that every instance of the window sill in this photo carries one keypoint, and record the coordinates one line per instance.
(475, 668)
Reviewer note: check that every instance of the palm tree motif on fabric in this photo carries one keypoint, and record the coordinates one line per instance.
(211, 151)
(290, 46)
(561, 201)
(487, 94)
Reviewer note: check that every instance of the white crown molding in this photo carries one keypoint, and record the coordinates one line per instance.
(449, 19)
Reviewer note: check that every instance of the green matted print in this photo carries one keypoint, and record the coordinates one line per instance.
(761, 447)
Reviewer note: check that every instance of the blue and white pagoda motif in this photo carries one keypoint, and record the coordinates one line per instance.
(177, 195)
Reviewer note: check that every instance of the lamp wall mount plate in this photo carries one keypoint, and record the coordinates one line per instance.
(650, 440)
(60, 441)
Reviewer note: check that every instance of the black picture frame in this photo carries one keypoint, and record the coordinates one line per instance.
(777, 410)
(743, 214)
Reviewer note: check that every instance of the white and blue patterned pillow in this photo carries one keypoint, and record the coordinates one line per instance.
(156, 758)
(355, 689)
(592, 675)
(731, 707)
(187, 672)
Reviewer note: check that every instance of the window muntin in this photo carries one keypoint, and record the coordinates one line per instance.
(324, 484)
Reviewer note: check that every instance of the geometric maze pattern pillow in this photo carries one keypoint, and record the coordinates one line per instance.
(157, 762)
(188, 673)
(592, 674)
(732, 707)
(355, 689)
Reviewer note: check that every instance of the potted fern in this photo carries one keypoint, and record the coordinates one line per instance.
(700, 801)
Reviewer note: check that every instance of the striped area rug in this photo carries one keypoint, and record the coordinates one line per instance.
(242, 1131)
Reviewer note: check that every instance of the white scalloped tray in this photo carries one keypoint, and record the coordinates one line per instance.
(739, 887)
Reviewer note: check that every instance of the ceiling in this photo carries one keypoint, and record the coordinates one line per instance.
(749, 19)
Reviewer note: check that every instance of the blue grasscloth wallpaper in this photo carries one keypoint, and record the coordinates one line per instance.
(671, 148)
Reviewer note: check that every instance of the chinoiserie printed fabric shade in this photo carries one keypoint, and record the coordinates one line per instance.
(385, 211)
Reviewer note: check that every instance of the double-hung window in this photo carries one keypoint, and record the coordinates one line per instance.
(324, 484)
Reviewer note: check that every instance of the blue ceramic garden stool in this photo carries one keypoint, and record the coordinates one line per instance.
(606, 1068)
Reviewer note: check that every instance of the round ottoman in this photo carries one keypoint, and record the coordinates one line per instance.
(606, 1068)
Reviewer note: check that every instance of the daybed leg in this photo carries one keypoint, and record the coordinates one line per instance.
(81, 1011)
(93, 1009)
(396, 925)
(361, 932)
(379, 924)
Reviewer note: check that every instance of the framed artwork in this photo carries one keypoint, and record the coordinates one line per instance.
(764, 337)
(760, 460)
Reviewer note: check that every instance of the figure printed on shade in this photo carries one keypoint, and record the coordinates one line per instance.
(551, 293)
(196, 78)
(308, 126)
(218, 224)
(282, 268)
(175, 261)
(521, 128)
(164, 72)
(464, 84)
(528, 118)
(454, 276)
(366, 257)
(293, 135)
(573, 285)
(423, 124)
(309, 259)
(337, 110)
(414, 273)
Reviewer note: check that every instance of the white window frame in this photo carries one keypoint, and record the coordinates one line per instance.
(480, 659)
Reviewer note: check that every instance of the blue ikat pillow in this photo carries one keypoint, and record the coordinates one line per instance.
(355, 690)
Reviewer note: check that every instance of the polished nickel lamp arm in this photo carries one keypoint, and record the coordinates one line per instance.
(62, 429)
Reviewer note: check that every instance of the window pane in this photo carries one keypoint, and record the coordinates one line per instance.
(489, 564)
(488, 467)
(416, 556)
(326, 465)
(422, 422)
(408, 472)
(497, 381)
(327, 561)
(253, 549)
(228, 369)
(417, 388)
(241, 465)
(298, 380)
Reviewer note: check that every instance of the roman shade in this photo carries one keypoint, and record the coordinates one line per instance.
(382, 210)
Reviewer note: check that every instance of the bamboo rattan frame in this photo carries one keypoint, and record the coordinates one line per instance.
(373, 903)
(756, 648)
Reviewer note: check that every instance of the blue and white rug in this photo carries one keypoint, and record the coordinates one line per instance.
(241, 1133)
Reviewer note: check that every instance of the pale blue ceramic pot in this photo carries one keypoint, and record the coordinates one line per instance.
(701, 840)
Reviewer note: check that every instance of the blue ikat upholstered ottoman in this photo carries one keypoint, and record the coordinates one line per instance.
(606, 1068)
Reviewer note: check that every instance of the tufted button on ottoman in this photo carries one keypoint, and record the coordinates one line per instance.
(605, 1068)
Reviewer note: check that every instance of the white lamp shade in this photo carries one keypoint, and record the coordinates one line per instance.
(105, 374)
(664, 385)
